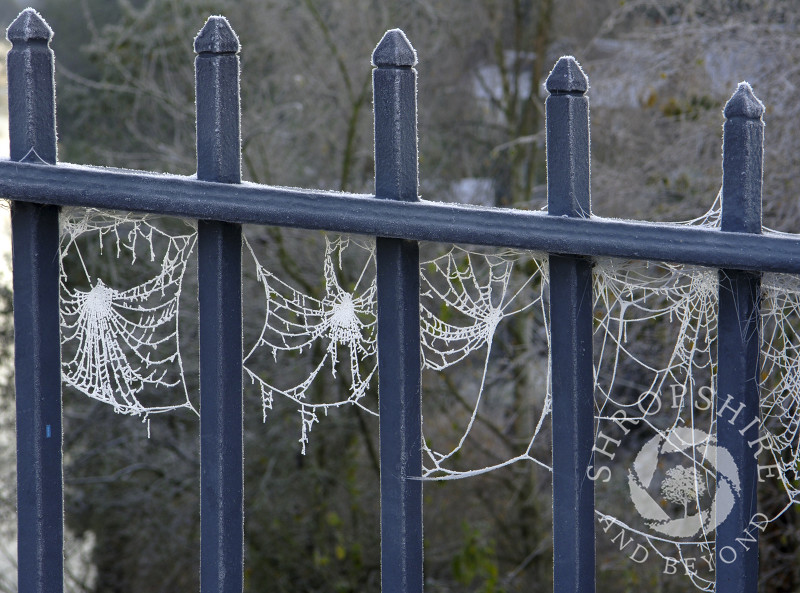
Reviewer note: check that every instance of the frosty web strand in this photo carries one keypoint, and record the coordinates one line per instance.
(780, 381)
(655, 326)
(126, 340)
(464, 296)
(295, 322)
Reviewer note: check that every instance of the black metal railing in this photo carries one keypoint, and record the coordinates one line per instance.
(37, 186)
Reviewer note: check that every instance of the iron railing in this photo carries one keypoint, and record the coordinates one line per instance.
(37, 186)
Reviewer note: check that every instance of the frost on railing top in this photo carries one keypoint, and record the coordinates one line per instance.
(31, 104)
(394, 49)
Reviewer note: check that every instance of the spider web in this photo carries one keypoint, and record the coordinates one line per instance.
(655, 380)
(655, 327)
(337, 330)
(655, 331)
(467, 297)
(780, 383)
(119, 328)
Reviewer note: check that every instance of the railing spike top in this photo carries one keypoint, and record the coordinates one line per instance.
(567, 76)
(216, 37)
(744, 103)
(395, 50)
(29, 26)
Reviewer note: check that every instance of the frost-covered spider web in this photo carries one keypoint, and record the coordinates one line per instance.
(486, 351)
(657, 461)
(119, 318)
(336, 332)
(655, 351)
(780, 379)
(655, 327)
(466, 299)
(655, 379)
(780, 384)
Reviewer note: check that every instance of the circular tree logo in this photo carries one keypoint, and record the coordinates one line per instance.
(672, 480)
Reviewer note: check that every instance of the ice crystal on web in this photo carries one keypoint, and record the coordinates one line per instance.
(336, 330)
(121, 338)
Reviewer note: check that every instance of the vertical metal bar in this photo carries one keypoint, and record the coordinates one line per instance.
(220, 301)
(738, 348)
(571, 300)
(37, 343)
(399, 360)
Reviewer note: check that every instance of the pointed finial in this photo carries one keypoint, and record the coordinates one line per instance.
(567, 76)
(216, 37)
(394, 49)
(29, 26)
(744, 103)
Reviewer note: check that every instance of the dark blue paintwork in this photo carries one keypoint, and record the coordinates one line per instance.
(568, 195)
(739, 342)
(219, 259)
(249, 203)
(37, 346)
(399, 359)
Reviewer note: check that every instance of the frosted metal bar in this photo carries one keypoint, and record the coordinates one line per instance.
(37, 343)
(394, 85)
(571, 335)
(219, 261)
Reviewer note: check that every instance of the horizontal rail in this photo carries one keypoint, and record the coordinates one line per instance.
(121, 189)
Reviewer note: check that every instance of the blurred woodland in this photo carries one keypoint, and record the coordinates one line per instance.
(659, 73)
